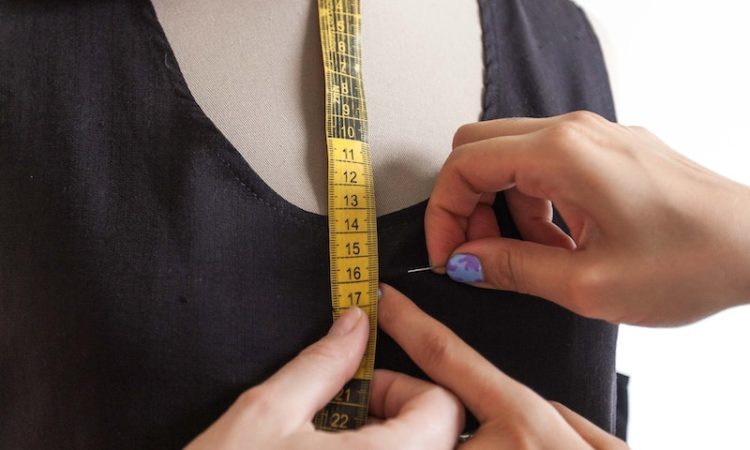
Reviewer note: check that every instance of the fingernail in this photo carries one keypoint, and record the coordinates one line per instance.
(346, 322)
(465, 268)
(380, 294)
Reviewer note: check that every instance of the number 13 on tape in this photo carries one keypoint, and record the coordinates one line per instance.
(352, 231)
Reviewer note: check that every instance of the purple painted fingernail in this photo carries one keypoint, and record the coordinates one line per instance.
(465, 268)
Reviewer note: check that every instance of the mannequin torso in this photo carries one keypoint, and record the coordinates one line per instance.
(255, 69)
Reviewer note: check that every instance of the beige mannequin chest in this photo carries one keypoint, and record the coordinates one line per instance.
(255, 69)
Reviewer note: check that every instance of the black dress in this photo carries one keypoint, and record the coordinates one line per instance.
(148, 275)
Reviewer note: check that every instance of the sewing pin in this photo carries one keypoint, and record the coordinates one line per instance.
(420, 269)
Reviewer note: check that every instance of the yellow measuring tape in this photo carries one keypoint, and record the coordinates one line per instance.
(352, 231)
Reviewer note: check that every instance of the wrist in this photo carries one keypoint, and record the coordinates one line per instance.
(743, 296)
(738, 261)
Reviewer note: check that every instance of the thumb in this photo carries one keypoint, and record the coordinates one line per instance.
(309, 381)
(513, 265)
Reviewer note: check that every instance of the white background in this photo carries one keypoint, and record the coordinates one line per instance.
(682, 69)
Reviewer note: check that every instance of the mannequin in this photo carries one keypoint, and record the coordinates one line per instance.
(153, 276)
(262, 86)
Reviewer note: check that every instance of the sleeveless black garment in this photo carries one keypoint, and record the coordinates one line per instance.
(148, 276)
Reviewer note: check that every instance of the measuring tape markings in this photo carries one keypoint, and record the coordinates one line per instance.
(351, 200)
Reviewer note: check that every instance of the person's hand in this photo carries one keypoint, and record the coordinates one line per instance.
(655, 238)
(278, 413)
(511, 416)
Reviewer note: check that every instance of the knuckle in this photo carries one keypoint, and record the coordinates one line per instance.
(585, 291)
(489, 396)
(437, 348)
(507, 272)
(522, 437)
(578, 291)
(574, 130)
(457, 162)
(583, 117)
(564, 137)
(256, 400)
(459, 151)
(555, 404)
(532, 425)
(641, 131)
(444, 395)
(463, 135)
(249, 397)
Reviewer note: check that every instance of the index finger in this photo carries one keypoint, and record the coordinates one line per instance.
(491, 165)
(448, 360)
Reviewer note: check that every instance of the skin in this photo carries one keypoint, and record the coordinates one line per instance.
(655, 239)
(278, 413)
(511, 415)
(407, 413)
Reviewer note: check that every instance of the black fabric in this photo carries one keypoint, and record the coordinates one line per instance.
(147, 274)
(623, 407)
